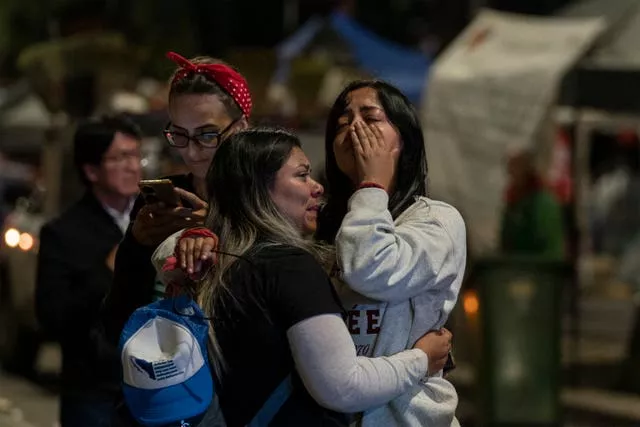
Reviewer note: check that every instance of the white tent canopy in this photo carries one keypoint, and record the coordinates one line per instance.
(608, 77)
(492, 89)
(620, 48)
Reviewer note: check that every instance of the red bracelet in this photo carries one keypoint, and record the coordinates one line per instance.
(370, 184)
(198, 232)
(195, 232)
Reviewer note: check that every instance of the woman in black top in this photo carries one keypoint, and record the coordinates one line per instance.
(276, 318)
(208, 101)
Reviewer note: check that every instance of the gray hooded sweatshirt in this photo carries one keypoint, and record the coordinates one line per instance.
(398, 280)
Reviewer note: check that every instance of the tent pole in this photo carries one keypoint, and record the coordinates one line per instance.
(476, 5)
(291, 13)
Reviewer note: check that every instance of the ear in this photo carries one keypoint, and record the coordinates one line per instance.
(243, 123)
(91, 172)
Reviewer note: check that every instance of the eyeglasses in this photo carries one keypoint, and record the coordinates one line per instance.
(180, 139)
(122, 158)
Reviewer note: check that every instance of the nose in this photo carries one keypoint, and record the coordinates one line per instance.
(354, 120)
(357, 118)
(318, 189)
(133, 163)
(193, 150)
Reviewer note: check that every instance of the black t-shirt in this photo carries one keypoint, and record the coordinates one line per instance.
(270, 291)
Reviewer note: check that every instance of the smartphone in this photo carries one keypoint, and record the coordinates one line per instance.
(159, 190)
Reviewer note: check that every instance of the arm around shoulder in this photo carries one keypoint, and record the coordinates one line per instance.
(345, 382)
(306, 300)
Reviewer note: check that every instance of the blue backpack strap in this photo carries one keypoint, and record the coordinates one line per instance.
(273, 404)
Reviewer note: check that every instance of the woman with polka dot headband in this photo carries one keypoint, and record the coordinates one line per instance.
(208, 102)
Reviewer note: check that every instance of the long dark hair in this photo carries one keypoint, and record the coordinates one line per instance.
(411, 175)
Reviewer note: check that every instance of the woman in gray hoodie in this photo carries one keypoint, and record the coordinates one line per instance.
(400, 255)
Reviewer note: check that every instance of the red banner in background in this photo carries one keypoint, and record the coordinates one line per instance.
(559, 177)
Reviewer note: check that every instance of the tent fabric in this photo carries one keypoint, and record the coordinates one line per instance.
(620, 47)
(403, 67)
(490, 92)
(608, 78)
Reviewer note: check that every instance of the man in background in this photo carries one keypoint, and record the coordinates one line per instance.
(75, 267)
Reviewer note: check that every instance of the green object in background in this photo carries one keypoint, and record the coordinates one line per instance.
(520, 315)
(533, 226)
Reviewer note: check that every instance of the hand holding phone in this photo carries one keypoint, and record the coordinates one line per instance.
(159, 191)
(155, 222)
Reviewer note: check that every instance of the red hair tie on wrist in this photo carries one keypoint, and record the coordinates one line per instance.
(195, 232)
(229, 79)
(370, 184)
(198, 232)
(171, 263)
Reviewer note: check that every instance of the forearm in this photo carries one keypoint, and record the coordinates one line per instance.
(343, 381)
(162, 254)
(394, 262)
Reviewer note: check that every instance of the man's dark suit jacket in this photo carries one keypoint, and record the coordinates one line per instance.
(73, 279)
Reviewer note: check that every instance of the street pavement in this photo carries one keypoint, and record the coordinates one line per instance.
(24, 404)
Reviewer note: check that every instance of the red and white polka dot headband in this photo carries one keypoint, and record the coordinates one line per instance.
(229, 80)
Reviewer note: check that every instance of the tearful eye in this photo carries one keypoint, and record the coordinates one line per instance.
(208, 136)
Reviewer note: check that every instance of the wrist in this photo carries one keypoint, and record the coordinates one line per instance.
(196, 232)
(368, 183)
(422, 360)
